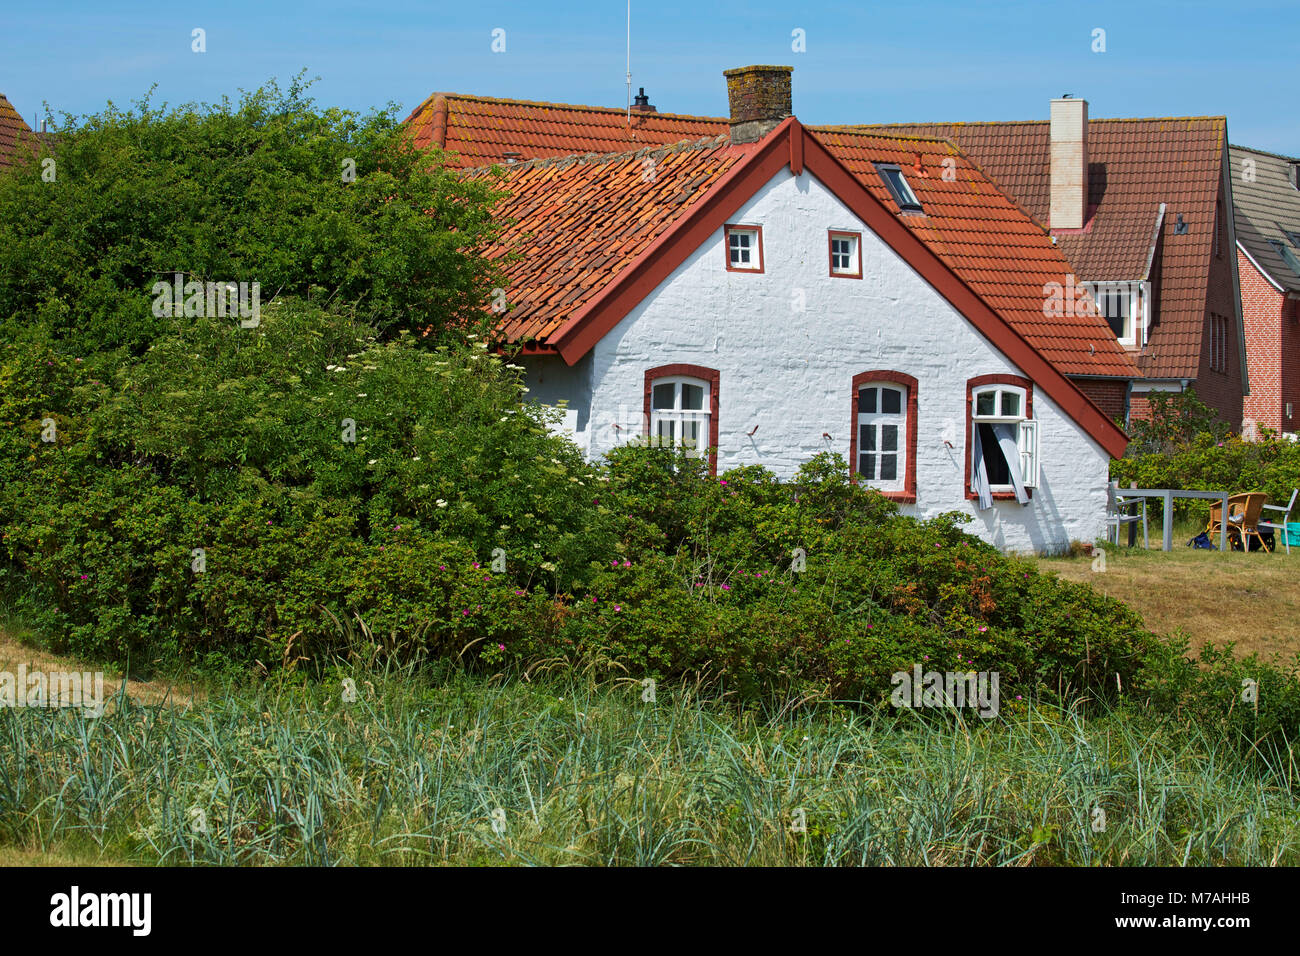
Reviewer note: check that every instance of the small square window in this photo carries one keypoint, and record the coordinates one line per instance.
(846, 257)
(744, 248)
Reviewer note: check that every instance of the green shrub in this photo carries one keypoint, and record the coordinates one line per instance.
(1207, 463)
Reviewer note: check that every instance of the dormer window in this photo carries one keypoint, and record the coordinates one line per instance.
(1122, 306)
(744, 248)
(846, 254)
(896, 183)
(1293, 175)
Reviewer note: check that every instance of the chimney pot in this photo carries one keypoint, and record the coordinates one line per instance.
(641, 102)
(759, 97)
(1069, 169)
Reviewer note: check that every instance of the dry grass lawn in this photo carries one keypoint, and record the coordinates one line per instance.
(1253, 599)
(13, 653)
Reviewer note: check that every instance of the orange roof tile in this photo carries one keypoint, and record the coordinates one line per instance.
(482, 130)
(580, 221)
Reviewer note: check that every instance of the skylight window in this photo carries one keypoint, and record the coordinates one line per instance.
(1292, 237)
(1287, 255)
(897, 185)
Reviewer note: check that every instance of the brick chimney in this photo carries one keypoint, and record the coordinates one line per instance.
(759, 97)
(1069, 172)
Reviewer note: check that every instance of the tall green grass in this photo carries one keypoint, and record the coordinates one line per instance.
(573, 770)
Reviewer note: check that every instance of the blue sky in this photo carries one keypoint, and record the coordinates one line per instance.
(864, 62)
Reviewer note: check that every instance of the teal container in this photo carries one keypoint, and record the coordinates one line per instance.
(1293, 532)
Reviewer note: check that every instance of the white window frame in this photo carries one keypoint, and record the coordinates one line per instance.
(1026, 432)
(677, 417)
(876, 420)
(754, 248)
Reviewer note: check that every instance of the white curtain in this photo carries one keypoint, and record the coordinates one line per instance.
(1011, 452)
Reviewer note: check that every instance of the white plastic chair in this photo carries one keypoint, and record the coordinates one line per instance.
(1117, 513)
(1280, 525)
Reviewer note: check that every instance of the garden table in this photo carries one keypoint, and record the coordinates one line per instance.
(1168, 495)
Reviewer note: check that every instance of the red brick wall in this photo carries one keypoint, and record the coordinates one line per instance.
(1110, 395)
(1291, 365)
(1262, 307)
(1221, 390)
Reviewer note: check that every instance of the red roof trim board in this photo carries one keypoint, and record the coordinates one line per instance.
(633, 284)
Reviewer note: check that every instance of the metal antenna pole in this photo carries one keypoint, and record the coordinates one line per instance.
(629, 62)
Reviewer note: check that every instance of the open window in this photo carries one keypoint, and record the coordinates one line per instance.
(681, 408)
(1002, 441)
(882, 449)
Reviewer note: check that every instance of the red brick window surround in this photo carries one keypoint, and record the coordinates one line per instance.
(845, 251)
(882, 442)
(743, 247)
(676, 410)
(973, 386)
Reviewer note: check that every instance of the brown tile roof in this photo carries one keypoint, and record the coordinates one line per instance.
(12, 130)
(1267, 209)
(1135, 165)
(482, 130)
(580, 221)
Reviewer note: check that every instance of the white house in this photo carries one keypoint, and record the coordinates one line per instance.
(775, 293)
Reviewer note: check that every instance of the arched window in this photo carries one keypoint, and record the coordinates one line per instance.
(681, 408)
(882, 449)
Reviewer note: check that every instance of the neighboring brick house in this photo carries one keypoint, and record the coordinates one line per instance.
(1266, 201)
(775, 291)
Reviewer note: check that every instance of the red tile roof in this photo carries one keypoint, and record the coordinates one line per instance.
(482, 130)
(1135, 165)
(12, 129)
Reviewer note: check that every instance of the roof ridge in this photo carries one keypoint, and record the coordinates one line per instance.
(681, 146)
(1265, 152)
(858, 130)
(1043, 122)
(567, 106)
